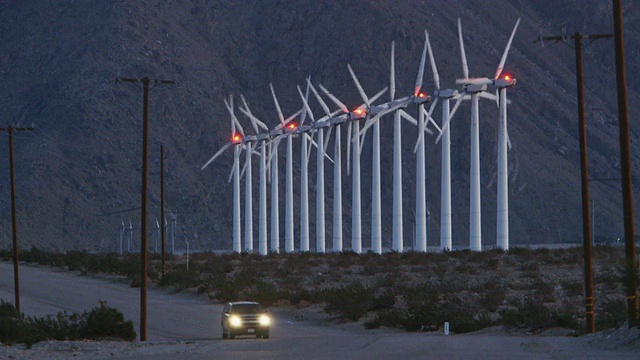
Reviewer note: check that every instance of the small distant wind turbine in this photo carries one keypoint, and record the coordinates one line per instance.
(130, 234)
(122, 231)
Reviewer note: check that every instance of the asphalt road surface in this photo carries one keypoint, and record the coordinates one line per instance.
(185, 326)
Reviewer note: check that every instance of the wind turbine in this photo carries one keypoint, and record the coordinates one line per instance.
(285, 127)
(445, 185)
(318, 125)
(353, 117)
(157, 236)
(476, 87)
(122, 231)
(235, 140)
(262, 138)
(130, 233)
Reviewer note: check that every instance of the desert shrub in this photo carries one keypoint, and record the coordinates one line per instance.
(573, 288)
(106, 322)
(493, 298)
(390, 318)
(101, 322)
(266, 293)
(610, 313)
(181, 279)
(351, 302)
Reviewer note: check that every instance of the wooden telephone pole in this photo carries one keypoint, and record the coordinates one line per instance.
(145, 169)
(584, 171)
(14, 221)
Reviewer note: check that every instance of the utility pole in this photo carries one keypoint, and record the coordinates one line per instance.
(625, 168)
(584, 167)
(162, 215)
(145, 167)
(14, 221)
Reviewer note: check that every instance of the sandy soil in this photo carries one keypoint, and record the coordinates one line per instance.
(185, 326)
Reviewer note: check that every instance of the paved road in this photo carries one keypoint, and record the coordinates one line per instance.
(183, 326)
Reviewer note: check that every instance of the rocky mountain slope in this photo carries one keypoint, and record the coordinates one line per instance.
(79, 170)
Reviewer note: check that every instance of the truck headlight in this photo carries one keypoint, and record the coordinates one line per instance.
(265, 320)
(235, 321)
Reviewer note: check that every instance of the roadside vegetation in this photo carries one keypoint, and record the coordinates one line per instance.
(102, 322)
(523, 289)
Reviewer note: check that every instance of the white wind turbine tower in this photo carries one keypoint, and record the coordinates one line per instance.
(235, 140)
(476, 87)
(262, 138)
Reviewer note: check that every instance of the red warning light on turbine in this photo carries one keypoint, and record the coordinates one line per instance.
(358, 111)
(422, 95)
(292, 126)
(507, 77)
(236, 138)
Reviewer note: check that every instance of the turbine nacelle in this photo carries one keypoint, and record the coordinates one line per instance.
(475, 87)
(321, 124)
(504, 82)
(236, 139)
(303, 128)
(446, 93)
(249, 138)
(420, 98)
(262, 136)
(358, 114)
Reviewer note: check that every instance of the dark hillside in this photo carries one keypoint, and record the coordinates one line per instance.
(59, 61)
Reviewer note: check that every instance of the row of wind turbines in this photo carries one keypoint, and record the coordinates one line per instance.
(264, 143)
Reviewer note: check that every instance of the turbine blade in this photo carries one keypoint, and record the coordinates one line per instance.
(230, 110)
(235, 163)
(363, 95)
(303, 114)
(392, 76)
(465, 68)
(408, 117)
(275, 100)
(434, 69)
(334, 99)
(305, 103)
(506, 51)
(380, 93)
(421, 69)
(310, 139)
(429, 119)
(222, 149)
(290, 118)
(326, 139)
(319, 98)
(250, 115)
